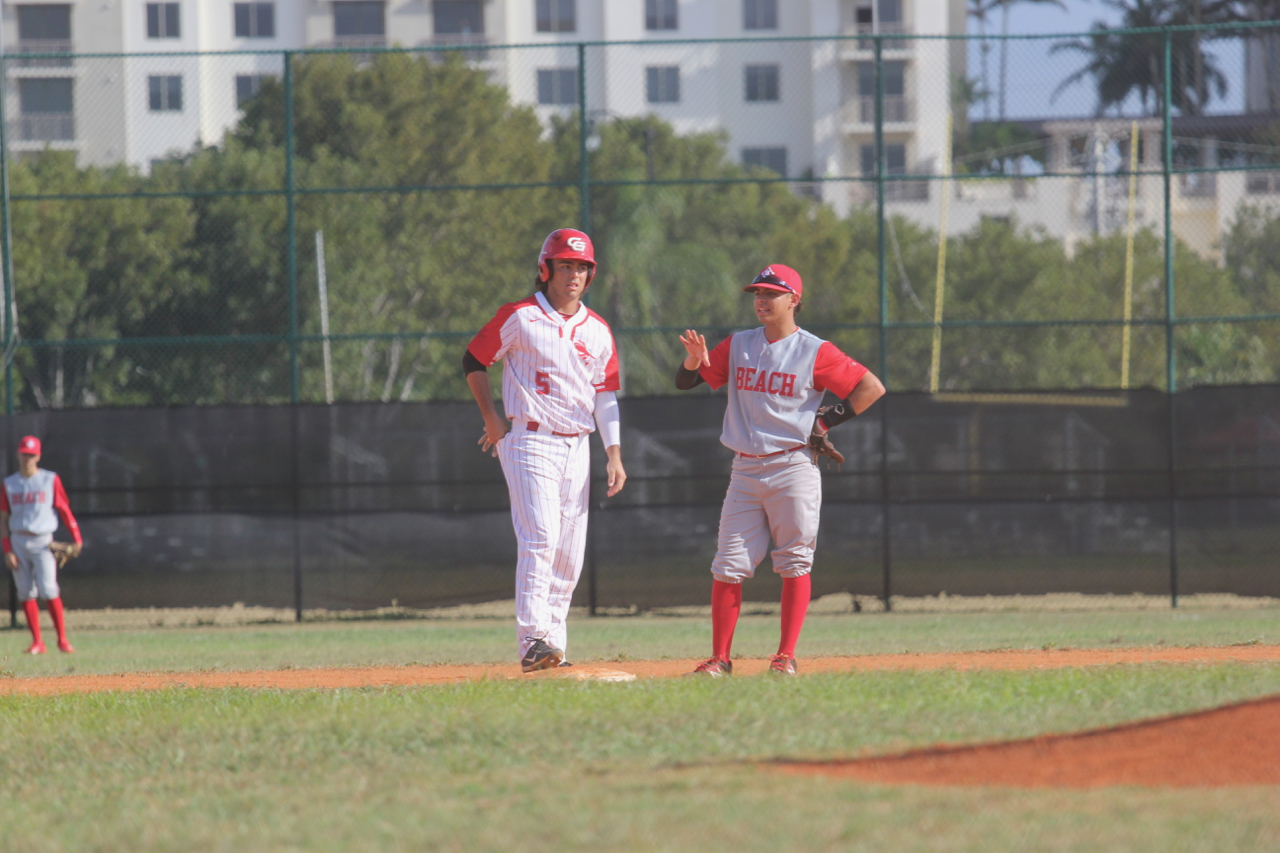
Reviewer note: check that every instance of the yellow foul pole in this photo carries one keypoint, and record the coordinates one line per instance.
(1128, 258)
(939, 289)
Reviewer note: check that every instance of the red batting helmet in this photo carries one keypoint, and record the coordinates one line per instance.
(566, 244)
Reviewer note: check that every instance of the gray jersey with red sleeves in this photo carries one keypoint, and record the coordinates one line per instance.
(772, 394)
(31, 501)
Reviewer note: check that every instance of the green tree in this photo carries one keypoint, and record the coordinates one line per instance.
(419, 263)
(90, 269)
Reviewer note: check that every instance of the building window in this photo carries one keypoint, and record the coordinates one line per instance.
(44, 29)
(165, 92)
(557, 16)
(557, 86)
(162, 21)
(44, 95)
(895, 91)
(359, 18)
(663, 84)
(457, 17)
(759, 14)
(45, 108)
(661, 15)
(762, 82)
(895, 160)
(773, 159)
(247, 87)
(255, 20)
(44, 23)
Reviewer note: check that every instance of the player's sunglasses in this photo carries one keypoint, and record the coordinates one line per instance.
(774, 280)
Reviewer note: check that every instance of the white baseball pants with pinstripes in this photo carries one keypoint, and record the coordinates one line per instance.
(547, 478)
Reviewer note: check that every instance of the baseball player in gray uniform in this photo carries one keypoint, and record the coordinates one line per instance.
(30, 504)
(776, 376)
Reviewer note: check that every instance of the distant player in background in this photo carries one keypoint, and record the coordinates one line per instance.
(777, 375)
(30, 504)
(560, 376)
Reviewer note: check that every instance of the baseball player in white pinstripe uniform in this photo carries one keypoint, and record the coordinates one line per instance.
(30, 504)
(560, 376)
(776, 376)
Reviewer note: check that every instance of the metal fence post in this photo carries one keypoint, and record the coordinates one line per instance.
(584, 217)
(1171, 372)
(292, 254)
(6, 241)
(6, 247)
(883, 280)
(584, 171)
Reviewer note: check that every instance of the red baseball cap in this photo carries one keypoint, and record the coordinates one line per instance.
(778, 277)
(29, 444)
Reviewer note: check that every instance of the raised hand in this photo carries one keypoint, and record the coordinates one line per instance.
(696, 347)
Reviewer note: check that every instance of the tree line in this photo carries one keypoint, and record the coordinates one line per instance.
(110, 273)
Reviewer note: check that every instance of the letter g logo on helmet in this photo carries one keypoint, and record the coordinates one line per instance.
(577, 244)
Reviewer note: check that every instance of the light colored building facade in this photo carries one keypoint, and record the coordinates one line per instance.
(802, 108)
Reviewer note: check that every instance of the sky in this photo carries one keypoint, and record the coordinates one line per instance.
(1034, 73)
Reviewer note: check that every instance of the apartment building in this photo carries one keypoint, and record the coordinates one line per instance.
(150, 79)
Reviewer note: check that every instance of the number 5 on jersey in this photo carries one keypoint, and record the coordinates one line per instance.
(543, 382)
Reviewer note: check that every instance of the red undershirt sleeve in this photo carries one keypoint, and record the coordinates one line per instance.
(717, 373)
(63, 506)
(835, 372)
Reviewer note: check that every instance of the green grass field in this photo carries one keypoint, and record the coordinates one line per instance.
(648, 765)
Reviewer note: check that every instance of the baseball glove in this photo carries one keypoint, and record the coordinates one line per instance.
(63, 551)
(821, 445)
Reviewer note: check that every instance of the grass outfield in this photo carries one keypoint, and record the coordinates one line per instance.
(647, 765)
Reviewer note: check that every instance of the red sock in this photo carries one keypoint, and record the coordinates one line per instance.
(59, 624)
(795, 604)
(32, 609)
(726, 602)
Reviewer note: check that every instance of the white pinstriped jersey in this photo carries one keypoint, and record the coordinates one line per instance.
(775, 387)
(32, 501)
(555, 365)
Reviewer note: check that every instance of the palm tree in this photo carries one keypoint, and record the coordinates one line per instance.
(1122, 63)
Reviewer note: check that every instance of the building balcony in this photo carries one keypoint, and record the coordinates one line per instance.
(1262, 183)
(1198, 185)
(866, 45)
(44, 127)
(865, 192)
(477, 42)
(47, 46)
(358, 42)
(898, 109)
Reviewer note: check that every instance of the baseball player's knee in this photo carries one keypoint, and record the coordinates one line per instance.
(793, 569)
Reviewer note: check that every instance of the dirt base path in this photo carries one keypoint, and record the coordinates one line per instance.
(413, 676)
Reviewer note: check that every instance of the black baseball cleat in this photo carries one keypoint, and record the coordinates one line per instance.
(713, 667)
(541, 655)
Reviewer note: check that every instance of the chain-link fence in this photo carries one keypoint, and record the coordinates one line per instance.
(975, 217)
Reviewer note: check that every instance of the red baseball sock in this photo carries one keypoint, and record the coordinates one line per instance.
(32, 609)
(59, 624)
(795, 604)
(726, 603)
